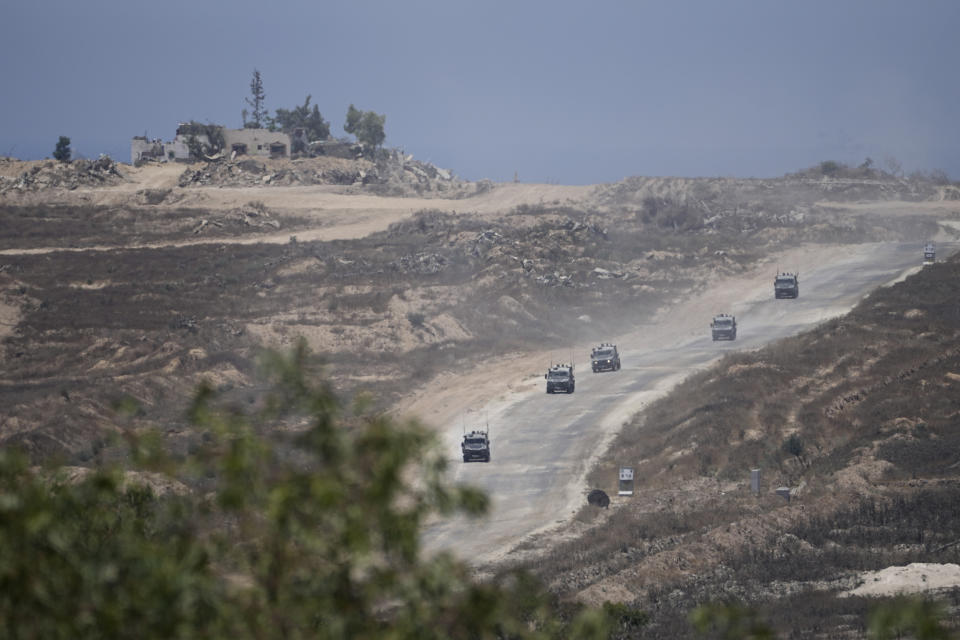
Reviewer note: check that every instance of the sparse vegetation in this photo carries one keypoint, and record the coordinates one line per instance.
(302, 117)
(416, 318)
(367, 126)
(62, 151)
(256, 102)
(793, 445)
(202, 139)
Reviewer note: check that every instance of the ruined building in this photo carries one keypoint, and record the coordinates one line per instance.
(236, 142)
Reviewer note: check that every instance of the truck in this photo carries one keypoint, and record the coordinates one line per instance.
(786, 285)
(929, 254)
(724, 327)
(476, 446)
(560, 378)
(605, 358)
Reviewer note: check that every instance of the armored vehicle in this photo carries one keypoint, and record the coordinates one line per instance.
(786, 285)
(929, 254)
(476, 446)
(605, 358)
(724, 327)
(560, 378)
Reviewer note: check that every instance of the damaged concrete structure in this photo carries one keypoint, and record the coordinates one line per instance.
(143, 149)
(237, 142)
(256, 142)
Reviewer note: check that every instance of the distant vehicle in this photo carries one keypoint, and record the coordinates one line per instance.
(476, 446)
(605, 358)
(929, 254)
(560, 378)
(786, 285)
(724, 327)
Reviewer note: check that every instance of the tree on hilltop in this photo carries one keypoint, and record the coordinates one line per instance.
(256, 101)
(367, 126)
(302, 117)
(62, 152)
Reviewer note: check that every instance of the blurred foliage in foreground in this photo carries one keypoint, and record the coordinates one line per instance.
(914, 617)
(293, 520)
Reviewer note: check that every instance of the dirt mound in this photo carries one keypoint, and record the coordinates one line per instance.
(65, 175)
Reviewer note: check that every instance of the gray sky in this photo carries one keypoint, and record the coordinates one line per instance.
(564, 91)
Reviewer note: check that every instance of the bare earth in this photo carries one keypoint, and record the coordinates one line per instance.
(473, 393)
(918, 577)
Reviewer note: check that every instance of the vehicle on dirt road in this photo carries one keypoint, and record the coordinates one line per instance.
(929, 254)
(724, 327)
(476, 446)
(560, 378)
(605, 358)
(786, 285)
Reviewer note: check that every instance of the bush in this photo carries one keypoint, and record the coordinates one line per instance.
(793, 445)
(314, 536)
(416, 318)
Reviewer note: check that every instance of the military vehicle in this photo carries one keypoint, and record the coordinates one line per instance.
(786, 285)
(476, 446)
(929, 254)
(560, 378)
(605, 358)
(724, 327)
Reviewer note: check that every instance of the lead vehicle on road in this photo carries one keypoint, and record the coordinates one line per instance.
(605, 358)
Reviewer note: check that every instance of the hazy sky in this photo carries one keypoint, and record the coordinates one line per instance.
(563, 91)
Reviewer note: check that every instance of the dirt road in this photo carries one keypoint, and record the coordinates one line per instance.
(543, 445)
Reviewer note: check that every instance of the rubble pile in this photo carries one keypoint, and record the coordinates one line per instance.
(65, 175)
(401, 172)
(251, 173)
(247, 216)
(392, 173)
(559, 253)
(421, 263)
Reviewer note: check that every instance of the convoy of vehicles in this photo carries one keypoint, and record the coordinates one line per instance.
(605, 358)
(786, 285)
(724, 327)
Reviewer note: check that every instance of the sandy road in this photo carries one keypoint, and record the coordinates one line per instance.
(331, 213)
(543, 445)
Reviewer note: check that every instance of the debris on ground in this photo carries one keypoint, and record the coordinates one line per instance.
(65, 175)
(392, 173)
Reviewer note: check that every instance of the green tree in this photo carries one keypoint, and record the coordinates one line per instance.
(202, 139)
(304, 117)
(62, 151)
(302, 521)
(353, 119)
(256, 101)
(367, 126)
